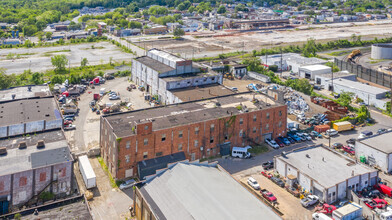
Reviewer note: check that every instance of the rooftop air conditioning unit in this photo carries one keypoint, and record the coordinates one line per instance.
(40, 144)
(22, 145)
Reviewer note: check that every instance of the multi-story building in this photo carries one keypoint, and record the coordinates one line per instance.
(162, 73)
(200, 129)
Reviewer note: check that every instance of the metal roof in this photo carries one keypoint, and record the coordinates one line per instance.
(24, 92)
(355, 85)
(166, 55)
(154, 64)
(315, 160)
(149, 167)
(316, 67)
(196, 191)
(379, 142)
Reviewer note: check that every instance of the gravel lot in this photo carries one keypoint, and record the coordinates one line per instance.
(38, 59)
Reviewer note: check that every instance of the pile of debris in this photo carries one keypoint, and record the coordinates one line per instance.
(330, 105)
(296, 105)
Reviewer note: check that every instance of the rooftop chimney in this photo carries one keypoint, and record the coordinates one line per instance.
(40, 144)
(3, 151)
(22, 145)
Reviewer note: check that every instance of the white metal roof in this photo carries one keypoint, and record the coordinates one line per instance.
(316, 67)
(355, 85)
(196, 191)
(88, 170)
(166, 55)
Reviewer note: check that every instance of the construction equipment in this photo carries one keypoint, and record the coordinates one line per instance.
(353, 54)
(229, 76)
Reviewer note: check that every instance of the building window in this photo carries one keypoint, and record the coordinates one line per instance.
(146, 127)
(205, 79)
(212, 128)
(1, 186)
(145, 155)
(196, 143)
(366, 182)
(127, 160)
(254, 117)
(128, 145)
(208, 152)
(267, 127)
(22, 181)
(334, 193)
(213, 78)
(197, 130)
(241, 133)
(158, 154)
(280, 124)
(226, 137)
(163, 137)
(254, 129)
(145, 141)
(280, 113)
(241, 121)
(211, 140)
(268, 115)
(42, 177)
(179, 147)
(180, 134)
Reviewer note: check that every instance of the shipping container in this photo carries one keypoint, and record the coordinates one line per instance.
(87, 172)
(342, 126)
(321, 128)
(348, 212)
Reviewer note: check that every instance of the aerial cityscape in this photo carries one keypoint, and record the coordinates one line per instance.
(151, 110)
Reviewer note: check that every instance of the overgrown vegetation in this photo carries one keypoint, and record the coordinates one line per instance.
(113, 183)
(46, 196)
(259, 149)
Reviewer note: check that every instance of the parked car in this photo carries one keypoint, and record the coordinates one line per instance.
(234, 89)
(67, 122)
(331, 132)
(127, 184)
(253, 183)
(295, 137)
(268, 175)
(70, 127)
(268, 165)
(307, 136)
(351, 141)
(280, 143)
(342, 203)
(268, 195)
(309, 200)
(115, 97)
(301, 135)
(337, 145)
(381, 130)
(292, 141)
(277, 181)
(292, 190)
(349, 149)
(377, 203)
(384, 189)
(272, 143)
(284, 141)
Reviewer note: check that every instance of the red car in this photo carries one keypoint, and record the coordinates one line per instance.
(349, 150)
(279, 142)
(377, 203)
(325, 208)
(268, 175)
(67, 122)
(268, 195)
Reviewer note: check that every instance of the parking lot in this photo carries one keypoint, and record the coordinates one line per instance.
(289, 205)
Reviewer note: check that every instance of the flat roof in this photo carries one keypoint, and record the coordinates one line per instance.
(31, 140)
(166, 55)
(316, 67)
(347, 209)
(316, 160)
(154, 64)
(23, 92)
(187, 112)
(379, 142)
(293, 57)
(18, 160)
(201, 92)
(189, 76)
(28, 110)
(196, 191)
(359, 86)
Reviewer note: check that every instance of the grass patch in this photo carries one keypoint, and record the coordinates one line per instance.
(339, 53)
(259, 149)
(50, 53)
(113, 183)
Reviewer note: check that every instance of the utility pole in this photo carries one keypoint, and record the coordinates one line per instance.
(281, 62)
(332, 78)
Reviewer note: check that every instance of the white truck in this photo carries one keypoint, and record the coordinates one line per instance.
(87, 172)
(309, 200)
(241, 152)
(348, 212)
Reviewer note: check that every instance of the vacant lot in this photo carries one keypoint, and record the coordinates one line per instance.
(39, 59)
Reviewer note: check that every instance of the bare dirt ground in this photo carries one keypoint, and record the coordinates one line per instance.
(208, 43)
(289, 205)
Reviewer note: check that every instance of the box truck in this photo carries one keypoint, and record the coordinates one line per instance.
(87, 172)
(348, 212)
(343, 126)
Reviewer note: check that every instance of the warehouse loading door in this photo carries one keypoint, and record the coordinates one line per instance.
(225, 149)
(318, 193)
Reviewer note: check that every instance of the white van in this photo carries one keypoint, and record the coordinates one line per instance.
(386, 216)
(320, 216)
(240, 152)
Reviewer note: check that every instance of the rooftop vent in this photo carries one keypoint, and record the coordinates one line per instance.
(29, 88)
(40, 144)
(307, 155)
(22, 145)
(13, 96)
(3, 151)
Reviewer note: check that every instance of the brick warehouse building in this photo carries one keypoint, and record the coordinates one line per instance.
(200, 129)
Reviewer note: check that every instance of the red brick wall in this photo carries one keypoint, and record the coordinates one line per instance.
(155, 147)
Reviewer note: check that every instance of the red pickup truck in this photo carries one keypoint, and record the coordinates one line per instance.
(268, 195)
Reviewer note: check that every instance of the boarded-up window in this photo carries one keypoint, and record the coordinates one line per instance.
(22, 181)
(1, 186)
(62, 172)
(42, 177)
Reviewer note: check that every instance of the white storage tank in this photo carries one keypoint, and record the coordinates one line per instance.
(87, 172)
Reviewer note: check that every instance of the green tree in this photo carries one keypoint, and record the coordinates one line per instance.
(345, 98)
(191, 9)
(40, 35)
(181, 7)
(5, 80)
(310, 48)
(84, 62)
(48, 35)
(37, 78)
(57, 79)
(59, 62)
(178, 32)
(221, 9)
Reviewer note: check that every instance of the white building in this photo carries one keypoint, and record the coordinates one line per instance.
(324, 173)
(326, 80)
(309, 72)
(160, 72)
(290, 61)
(377, 150)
